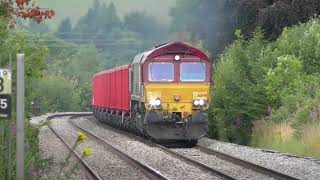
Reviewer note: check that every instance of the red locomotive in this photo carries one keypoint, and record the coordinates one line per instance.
(163, 93)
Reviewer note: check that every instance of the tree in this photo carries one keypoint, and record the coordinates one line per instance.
(25, 10)
(111, 18)
(145, 25)
(99, 19)
(238, 95)
(272, 16)
(276, 81)
(55, 93)
(215, 21)
(64, 29)
(41, 28)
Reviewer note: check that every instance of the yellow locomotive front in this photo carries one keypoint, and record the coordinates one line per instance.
(176, 96)
(169, 87)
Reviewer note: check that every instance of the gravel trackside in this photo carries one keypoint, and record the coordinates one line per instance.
(110, 166)
(301, 168)
(54, 151)
(165, 163)
(233, 170)
(106, 164)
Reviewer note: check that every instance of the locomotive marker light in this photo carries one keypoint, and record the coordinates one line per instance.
(5, 93)
(177, 57)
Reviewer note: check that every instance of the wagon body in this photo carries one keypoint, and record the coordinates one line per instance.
(111, 89)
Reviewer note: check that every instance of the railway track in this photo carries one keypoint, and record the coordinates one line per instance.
(89, 170)
(150, 143)
(153, 173)
(246, 164)
(147, 170)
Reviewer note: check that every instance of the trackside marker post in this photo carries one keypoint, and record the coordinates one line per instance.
(20, 117)
(5, 108)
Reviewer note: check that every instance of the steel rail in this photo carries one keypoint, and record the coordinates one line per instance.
(246, 164)
(194, 163)
(190, 161)
(87, 167)
(229, 158)
(147, 170)
(226, 157)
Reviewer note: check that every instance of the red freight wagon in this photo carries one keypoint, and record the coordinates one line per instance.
(111, 89)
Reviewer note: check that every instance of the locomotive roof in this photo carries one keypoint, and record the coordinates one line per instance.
(169, 48)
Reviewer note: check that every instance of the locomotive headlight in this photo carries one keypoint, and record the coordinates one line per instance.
(155, 102)
(196, 102)
(200, 102)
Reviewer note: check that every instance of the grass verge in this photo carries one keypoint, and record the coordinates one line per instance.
(281, 137)
(33, 161)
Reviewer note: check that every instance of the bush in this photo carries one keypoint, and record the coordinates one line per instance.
(284, 79)
(302, 108)
(276, 81)
(303, 42)
(55, 93)
(33, 161)
(237, 97)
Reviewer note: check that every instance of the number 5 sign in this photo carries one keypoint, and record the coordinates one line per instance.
(5, 93)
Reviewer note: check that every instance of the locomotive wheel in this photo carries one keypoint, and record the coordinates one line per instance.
(136, 120)
(138, 124)
(191, 143)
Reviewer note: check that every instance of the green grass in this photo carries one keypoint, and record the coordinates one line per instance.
(33, 161)
(281, 137)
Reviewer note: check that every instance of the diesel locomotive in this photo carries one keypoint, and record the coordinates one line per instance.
(162, 94)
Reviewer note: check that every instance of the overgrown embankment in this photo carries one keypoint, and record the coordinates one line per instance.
(33, 161)
(268, 93)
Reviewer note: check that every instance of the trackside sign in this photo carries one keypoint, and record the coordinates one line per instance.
(5, 93)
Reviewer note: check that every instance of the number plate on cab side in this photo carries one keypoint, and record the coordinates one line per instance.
(5, 106)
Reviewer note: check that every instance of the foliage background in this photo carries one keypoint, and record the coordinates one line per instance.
(272, 85)
(266, 58)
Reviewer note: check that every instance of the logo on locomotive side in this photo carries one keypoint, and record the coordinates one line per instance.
(201, 95)
(154, 95)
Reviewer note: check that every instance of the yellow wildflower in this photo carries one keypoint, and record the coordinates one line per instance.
(81, 136)
(87, 152)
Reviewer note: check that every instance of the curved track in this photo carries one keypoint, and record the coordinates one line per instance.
(246, 164)
(176, 155)
(147, 170)
(87, 167)
(154, 174)
(183, 158)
